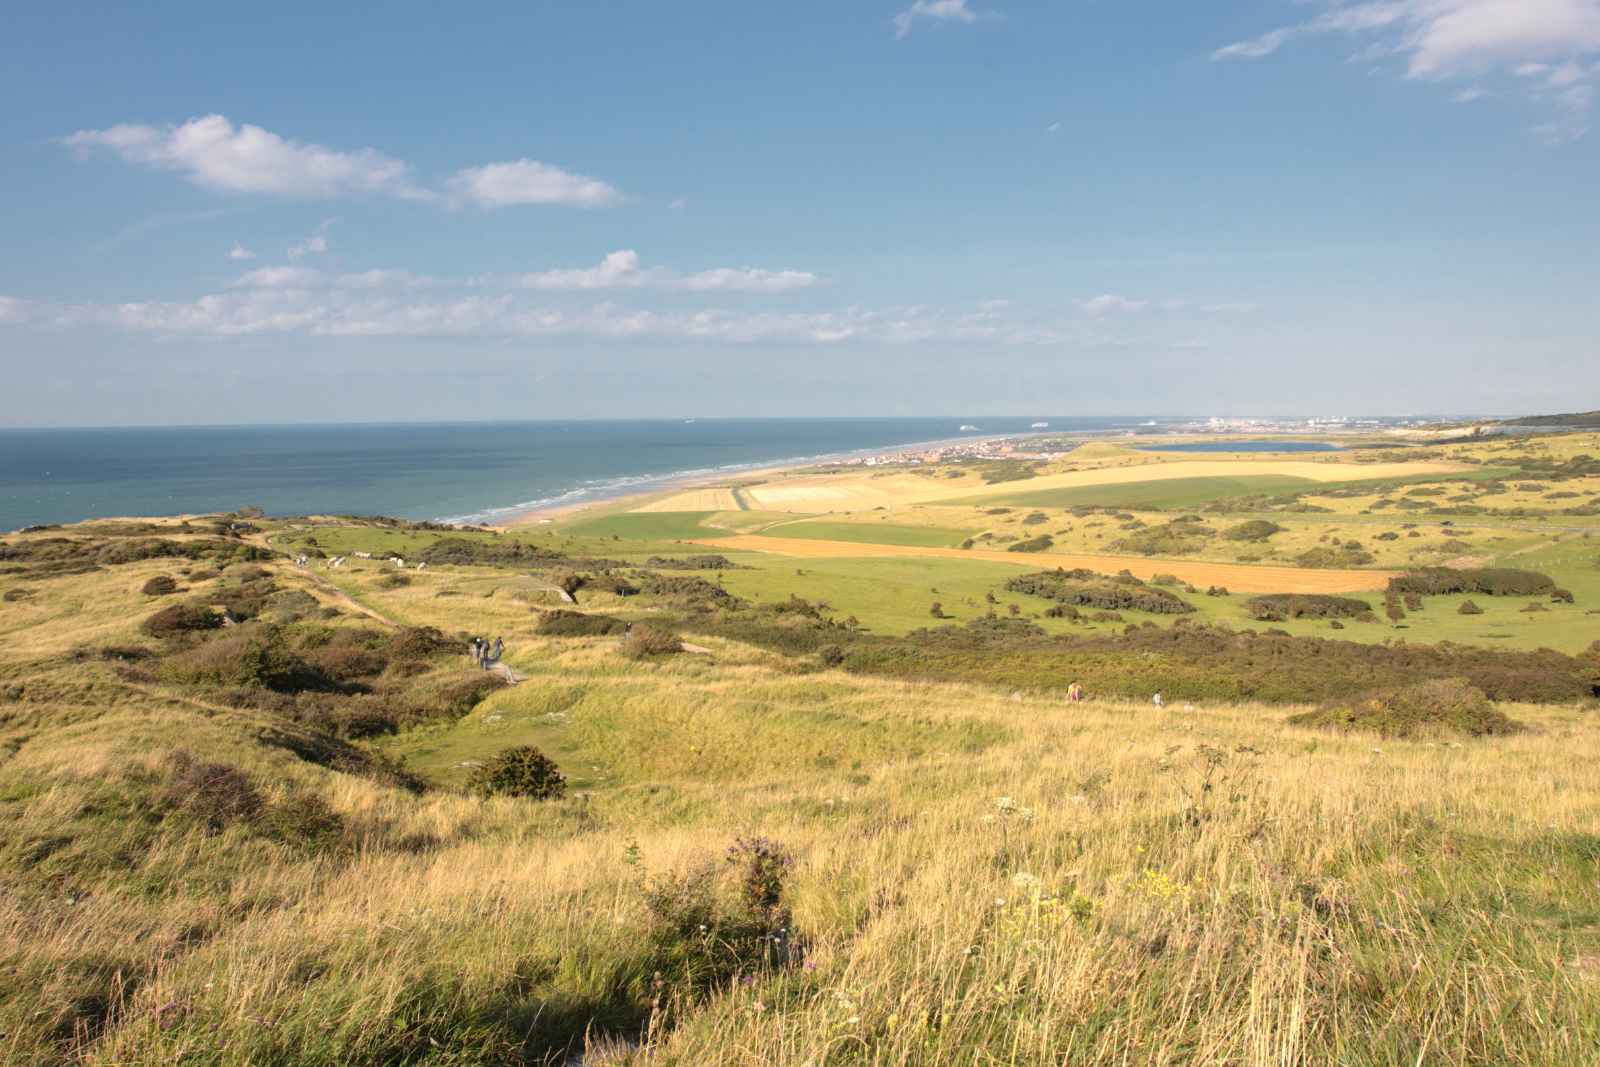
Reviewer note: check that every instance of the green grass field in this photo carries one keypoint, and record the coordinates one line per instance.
(873, 533)
(1165, 493)
(647, 526)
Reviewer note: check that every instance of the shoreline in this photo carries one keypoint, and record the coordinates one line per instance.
(547, 512)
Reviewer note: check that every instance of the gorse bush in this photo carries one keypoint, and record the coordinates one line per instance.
(521, 771)
(1469, 608)
(213, 794)
(1033, 544)
(647, 640)
(1488, 581)
(578, 624)
(1254, 530)
(496, 551)
(1088, 589)
(181, 619)
(160, 585)
(1279, 606)
(255, 656)
(1440, 707)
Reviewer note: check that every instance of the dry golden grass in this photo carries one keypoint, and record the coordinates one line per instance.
(978, 879)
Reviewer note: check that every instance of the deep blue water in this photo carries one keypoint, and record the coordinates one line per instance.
(419, 471)
(1245, 446)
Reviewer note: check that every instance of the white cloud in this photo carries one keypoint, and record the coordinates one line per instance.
(213, 153)
(1054, 127)
(679, 204)
(1233, 308)
(934, 10)
(14, 309)
(1110, 303)
(621, 270)
(1548, 40)
(1467, 96)
(278, 278)
(527, 181)
(239, 251)
(314, 245)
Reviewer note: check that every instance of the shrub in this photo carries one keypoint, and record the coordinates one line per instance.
(1254, 530)
(1489, 581)
(394, 581)
(1330, 556)
(1176, 538)
(578, 624)
(160, 585)
(420, 642)
(1469, 608)
(251, 657)
(1278, 606)
(17, 595)
(521, 771)
(1434, 708)
(1033, 544)
(214, 794)
(1088, 589)
(692, 563)
(498, 552)
(1035, 519)
(179, 619)
(646, 640)
(1165, 579)
(937, 610)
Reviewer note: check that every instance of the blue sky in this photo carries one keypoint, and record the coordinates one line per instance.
(294, 212)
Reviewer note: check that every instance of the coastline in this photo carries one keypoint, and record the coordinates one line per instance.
(542, 512)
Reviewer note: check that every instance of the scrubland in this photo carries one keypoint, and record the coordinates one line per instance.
(824, 835)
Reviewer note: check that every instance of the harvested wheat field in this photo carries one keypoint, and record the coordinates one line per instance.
(704, 498)
(1237, 577)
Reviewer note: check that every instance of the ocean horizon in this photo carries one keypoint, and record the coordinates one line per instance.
(447, 471)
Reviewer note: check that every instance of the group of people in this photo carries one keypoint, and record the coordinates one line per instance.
(485, 655)
(1075, 694)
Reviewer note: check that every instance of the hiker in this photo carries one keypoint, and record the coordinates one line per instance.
(1158, 700)
(477, 649)
(499, 647)
(1074, 692)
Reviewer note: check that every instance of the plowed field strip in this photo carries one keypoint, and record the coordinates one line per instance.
(1237, 577)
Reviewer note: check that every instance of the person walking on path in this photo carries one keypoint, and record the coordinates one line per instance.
(1074, 693)
(1158, 700)
(499, 647)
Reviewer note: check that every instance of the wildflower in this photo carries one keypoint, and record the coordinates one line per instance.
(1026, 882)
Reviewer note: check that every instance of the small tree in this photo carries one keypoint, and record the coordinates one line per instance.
(521, 771)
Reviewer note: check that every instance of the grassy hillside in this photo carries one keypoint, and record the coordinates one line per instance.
(253, 844)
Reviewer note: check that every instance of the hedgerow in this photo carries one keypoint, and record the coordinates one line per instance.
(1088, 589)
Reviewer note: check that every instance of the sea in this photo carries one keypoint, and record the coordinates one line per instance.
(458, 472)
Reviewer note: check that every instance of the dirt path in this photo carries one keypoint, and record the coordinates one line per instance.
(1237, 577)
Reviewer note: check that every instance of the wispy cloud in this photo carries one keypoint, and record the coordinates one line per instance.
(239, 251)
(1554, 43)
(213, 153)
(622, 270)
(315, 244)
(1110, 303)
(528, 181)
(933, 11)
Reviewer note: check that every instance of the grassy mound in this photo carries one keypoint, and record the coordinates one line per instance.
(1441, 707)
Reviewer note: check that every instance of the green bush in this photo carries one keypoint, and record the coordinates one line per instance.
(692, 563)
(1278, 606)
(521, 771)
(1441, 707)
(1033, 544)
(646, 640)
(578, 624)
(1088, 589)
(1254, 530)
(180, 619)
(486, 552)
(1488, 581)
(1335, 556)
(160, 585)
(252, 656)
(1469, 608)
